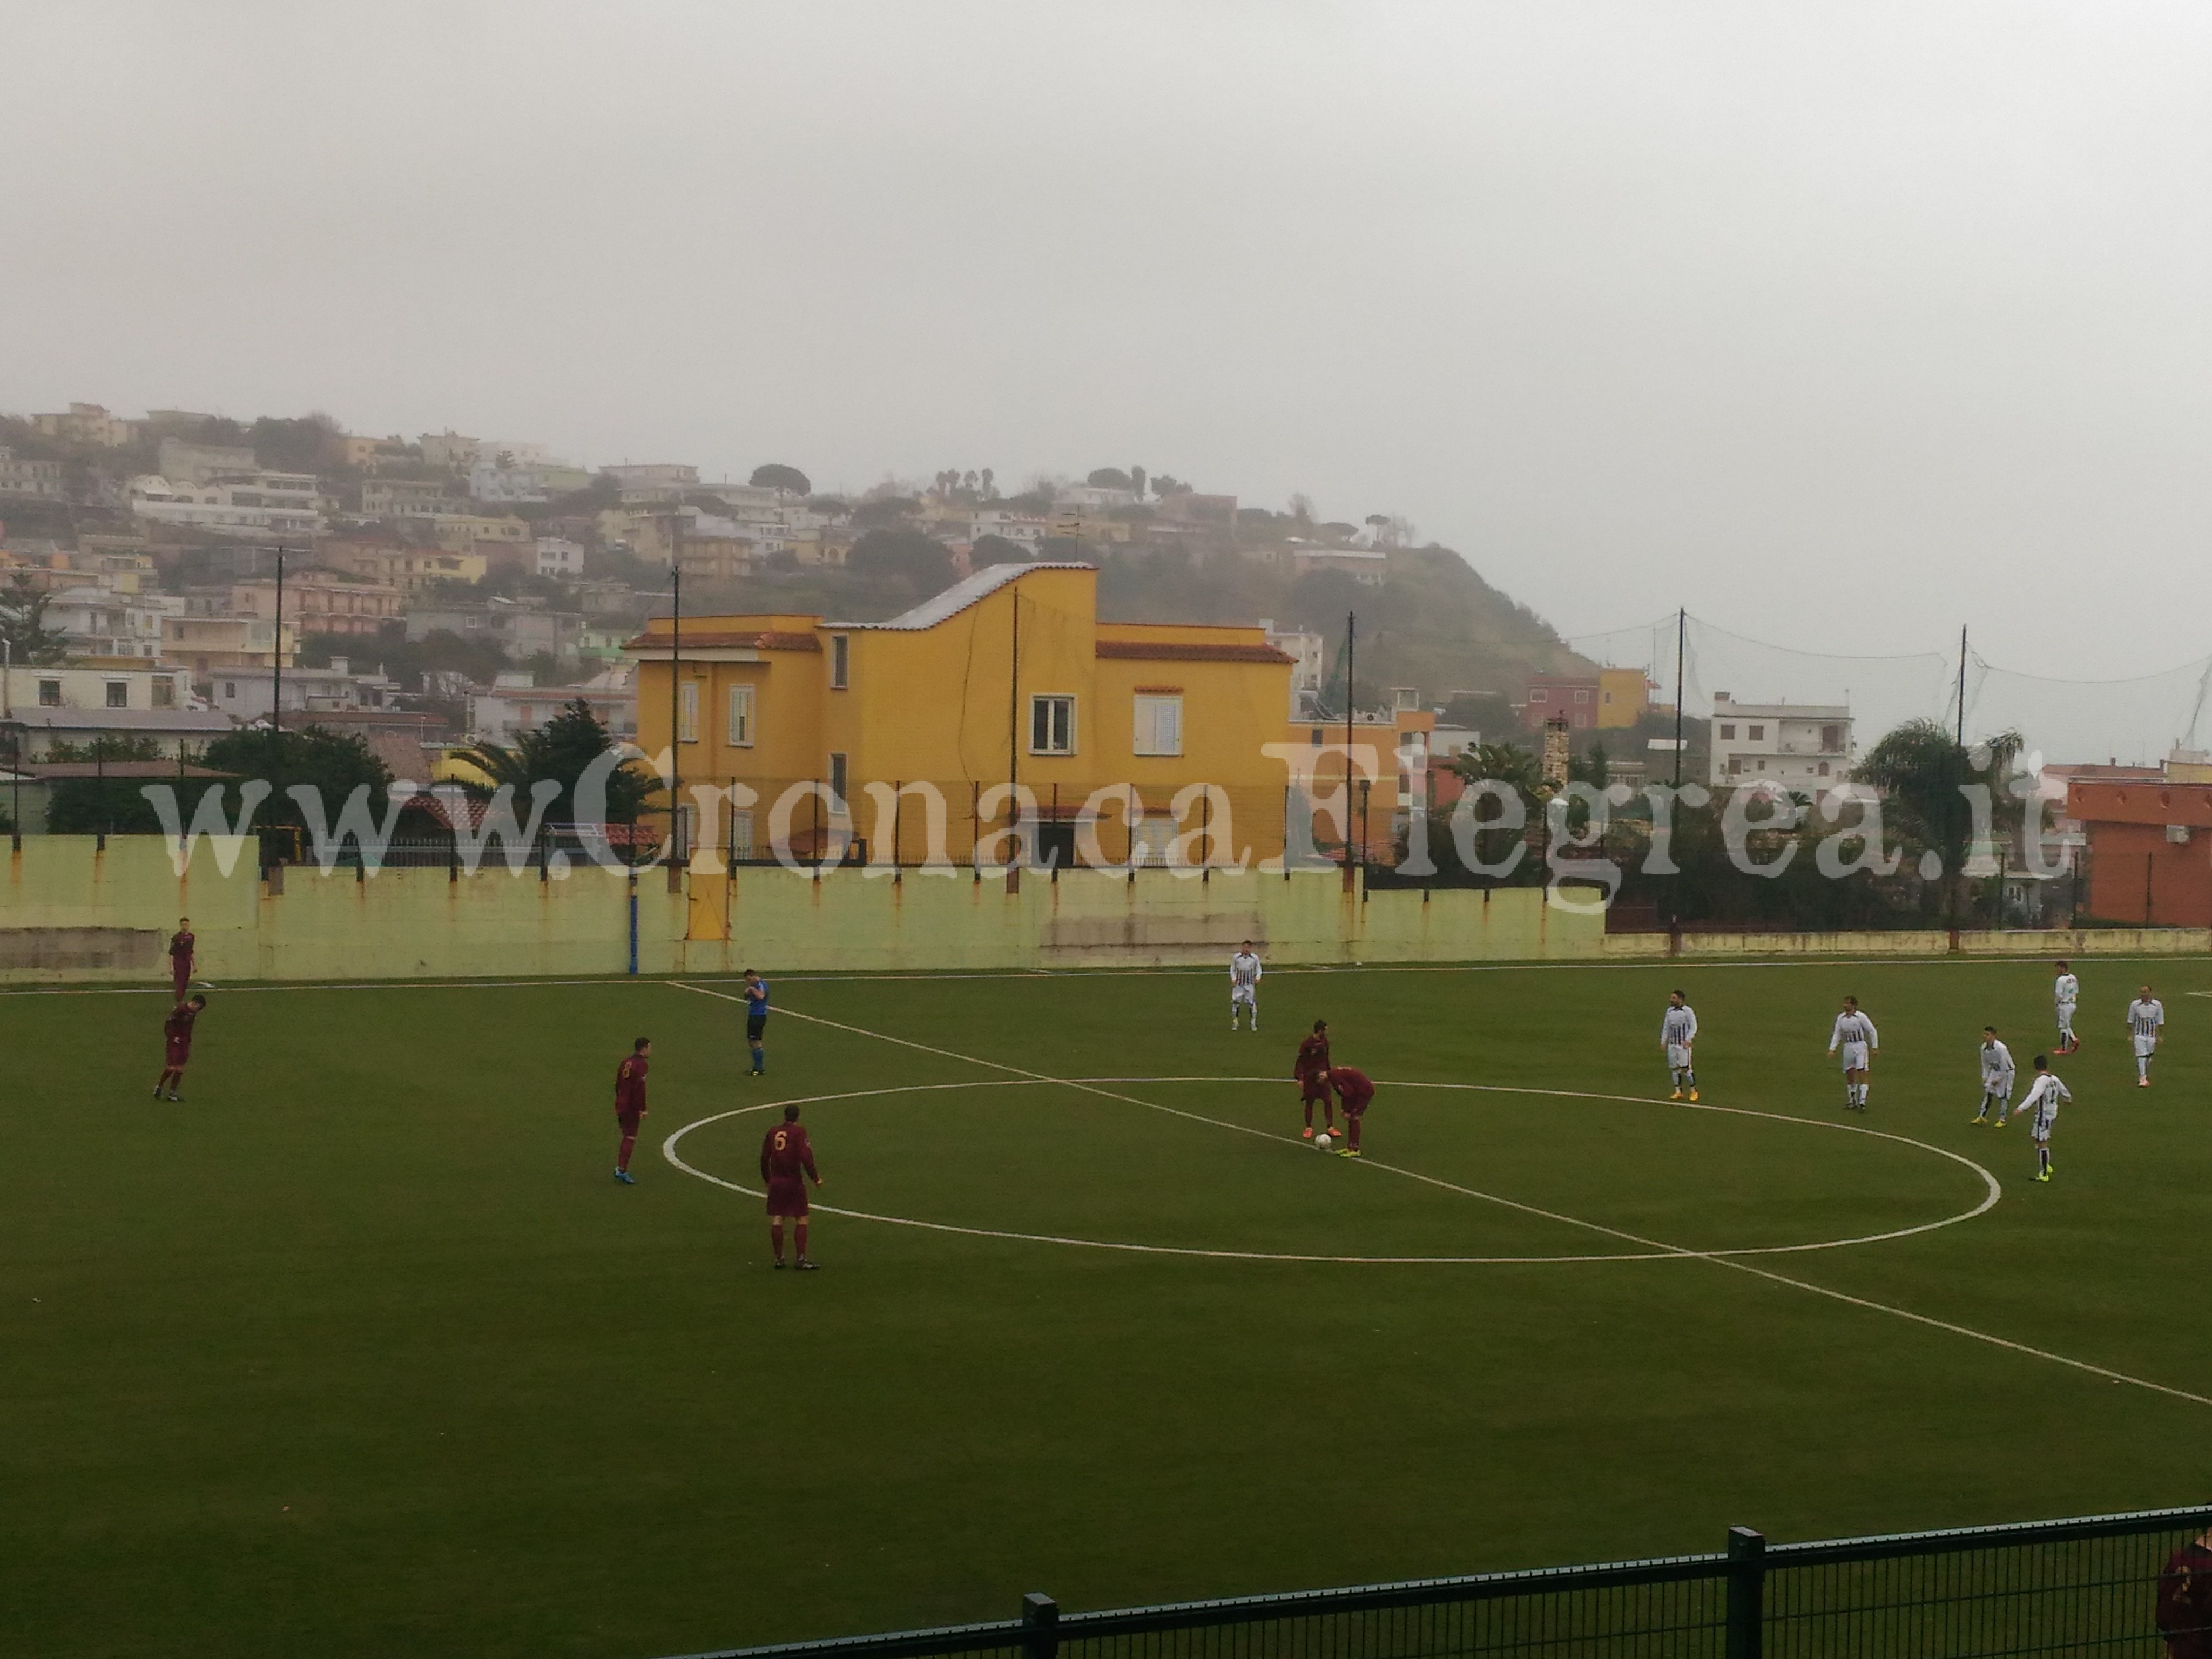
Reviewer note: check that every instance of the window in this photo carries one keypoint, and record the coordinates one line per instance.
(841, 663)
(1318, 737)
(230, 688)
(1757, 733)
(1727, 732)
(1832, 739)
(837, 779)
(165, 693)
(687, 715)
(1582, 696)
(119, 694)
(1052, 726)
(1159, 725)
(1539, 695)
(741, 834)
(1823, 769)
(50, 694)
(739, 733)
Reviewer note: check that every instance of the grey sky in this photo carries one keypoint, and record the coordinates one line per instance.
(1839, 324)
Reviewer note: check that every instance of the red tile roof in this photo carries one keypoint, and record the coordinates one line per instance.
(1213, 650)
(765, 640)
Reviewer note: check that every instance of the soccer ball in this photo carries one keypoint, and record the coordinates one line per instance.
(1322, 1141)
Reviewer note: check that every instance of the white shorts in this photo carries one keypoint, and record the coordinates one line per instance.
(1995, 1085)
(2065, 1016)
(1248, 994)
(1855, 1056)
(1678, 1056)
(2145, 1047)
(2039, 1132)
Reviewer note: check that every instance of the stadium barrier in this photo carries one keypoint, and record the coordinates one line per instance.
(2105, 1584)
(73, 910)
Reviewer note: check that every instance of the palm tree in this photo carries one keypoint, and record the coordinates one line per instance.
(563, 749)
(1924, 772)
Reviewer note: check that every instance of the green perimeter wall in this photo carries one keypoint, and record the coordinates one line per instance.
(70, 913)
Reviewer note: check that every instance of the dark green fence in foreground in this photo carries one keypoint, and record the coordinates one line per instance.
(2095, 1585)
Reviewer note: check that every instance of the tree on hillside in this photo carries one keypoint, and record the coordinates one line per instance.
(1164, 486)
(775, 475)
(1108, 477)
(996, 550)
(1480, 711)
(878, 511)
(564, 750)
(306, 445)
(23, 625)
(922, 560)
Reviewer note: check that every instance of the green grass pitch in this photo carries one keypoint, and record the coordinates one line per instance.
(360, 1350)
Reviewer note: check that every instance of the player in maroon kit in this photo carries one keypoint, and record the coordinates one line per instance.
(1354, 1091)
(181, 948)
(786, 1158)
(177, 1035)
(2184, 1600)
(630, 1104)
(1311, 1070)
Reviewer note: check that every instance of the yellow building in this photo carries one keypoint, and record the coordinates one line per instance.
(211, 645)
(1008, 677)
(458, 533)
(1623, 695)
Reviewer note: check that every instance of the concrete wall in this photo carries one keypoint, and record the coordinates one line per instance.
(68, 912)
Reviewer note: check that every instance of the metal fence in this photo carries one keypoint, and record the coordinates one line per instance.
(2097, 1585)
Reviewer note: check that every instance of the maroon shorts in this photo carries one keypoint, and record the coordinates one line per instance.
(1352, 1107)
(1312, 1088)
(629, 1121)
(787, 1197)
(180, 1054)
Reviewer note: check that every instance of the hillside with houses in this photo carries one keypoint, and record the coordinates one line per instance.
(447, 589)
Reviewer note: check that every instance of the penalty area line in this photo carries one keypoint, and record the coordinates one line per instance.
(1866, 1304)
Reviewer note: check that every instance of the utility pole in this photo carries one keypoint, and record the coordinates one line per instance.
(1350, 645)
(1962, 685)
(277, 657)
(675, 696)
(1681, 634)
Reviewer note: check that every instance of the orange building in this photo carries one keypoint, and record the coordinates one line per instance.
(2150, 851)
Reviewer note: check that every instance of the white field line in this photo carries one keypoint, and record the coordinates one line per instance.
(1654, 1246)
(1650, 965)
(1992, 1190)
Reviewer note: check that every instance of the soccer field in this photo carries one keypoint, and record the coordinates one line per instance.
(360, 1350)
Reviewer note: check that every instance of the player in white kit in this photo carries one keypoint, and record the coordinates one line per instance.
(2040, 1107)
(1854, 1038)
(1996, 1077)
(1678, 1030)
(2146, 1022)
(1245, 984)
(2065, 992)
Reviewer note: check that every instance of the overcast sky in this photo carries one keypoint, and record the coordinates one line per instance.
(1840, 325)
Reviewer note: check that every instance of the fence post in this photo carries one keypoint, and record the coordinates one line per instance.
(1041, 1626)
(1746, 1593)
